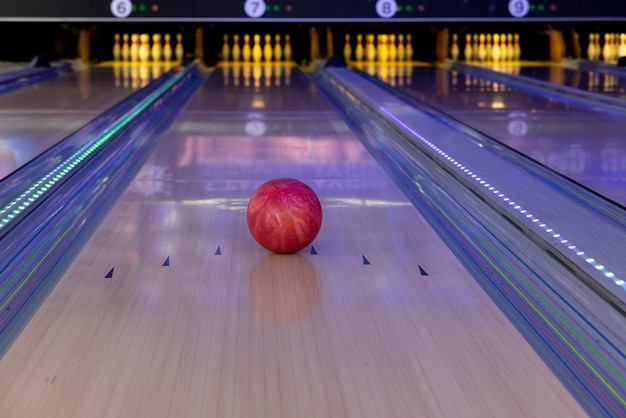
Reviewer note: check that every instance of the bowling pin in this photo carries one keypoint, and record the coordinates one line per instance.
(134, 47)
(167, 48)
(409, 48)
(504, 52)
(358, 50)
(475, 47)
(509, 46)
(278, 50)
(482, 50)
(401, 48)
(598, 47)
(179, 51)
(393, 49)
(257, 51)
(621, 51)
(125, 48)
(591, 47)
(606, 49)
(467, 50)
(144, 48)
(246, 52)
(370, 49)
(495, 51)
(454, 49)
(347, 49)
(236, 51)
(267, 48)
(287, 49)
(157, 48)
(517, 50)
(117, 48)
(488, 47)
(225, 49)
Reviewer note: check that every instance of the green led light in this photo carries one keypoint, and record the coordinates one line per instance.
(400, 8)
(531, 7)
(276, 8)
(409, 8)
(541, 7)
(142, 8)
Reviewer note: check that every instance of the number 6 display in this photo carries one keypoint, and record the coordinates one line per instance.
(121, 8)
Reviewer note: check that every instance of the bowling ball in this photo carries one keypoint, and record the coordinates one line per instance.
(284, 215)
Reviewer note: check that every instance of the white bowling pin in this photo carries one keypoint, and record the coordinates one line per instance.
(134, 47)
(278, 50)
(468, 50)
(287, 49)
(517, 50)
(267, 48)
(393, 49)
(621, 51)
(144, 47)
(370, 49)
(257, 51)
(606, 48)
(236, 51)
(509, 46)
(504, 51)
(246, 52)
(495, 51)
(482, 50)
(167, 48)
(125, 47)
(178, 50)
(401, 48)
(157, 48)
(454, 49)
(475, 47)
(225, 48)
(358, 50)
(488, 47)
(117, 48)
(591, 48)
(347, 49)
(409, 48)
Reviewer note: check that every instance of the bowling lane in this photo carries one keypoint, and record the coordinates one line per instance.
(376, 319)
(613, 85)
(35, 118)
(586, 146)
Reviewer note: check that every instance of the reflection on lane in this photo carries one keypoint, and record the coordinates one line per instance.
(584, 146)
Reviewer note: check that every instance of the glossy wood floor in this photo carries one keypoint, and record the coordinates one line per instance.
(229, 330)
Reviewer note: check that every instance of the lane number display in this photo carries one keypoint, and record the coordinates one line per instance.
(386, 8)
(254, 8)
(121, 8)
(519, 8)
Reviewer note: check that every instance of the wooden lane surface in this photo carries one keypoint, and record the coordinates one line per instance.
(244, 333)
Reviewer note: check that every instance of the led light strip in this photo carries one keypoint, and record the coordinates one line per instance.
(544, 227)
(39, 188)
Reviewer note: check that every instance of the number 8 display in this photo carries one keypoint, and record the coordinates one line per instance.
(386, 8)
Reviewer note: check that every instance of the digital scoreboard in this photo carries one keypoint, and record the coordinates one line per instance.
(312, 10)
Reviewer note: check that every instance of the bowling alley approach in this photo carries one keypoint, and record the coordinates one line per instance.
(285, 208)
